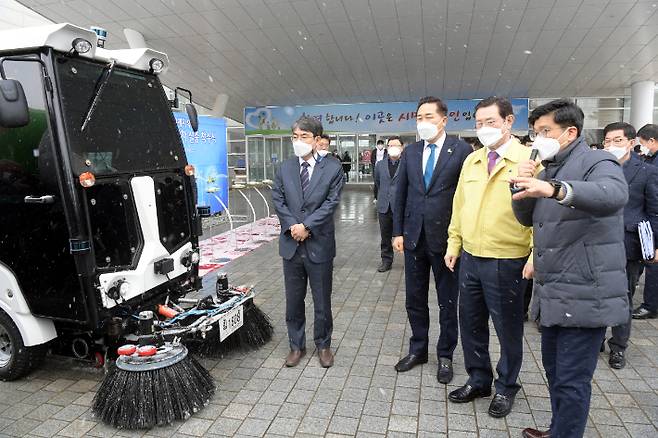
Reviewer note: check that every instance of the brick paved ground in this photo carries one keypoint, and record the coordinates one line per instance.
(361, 395)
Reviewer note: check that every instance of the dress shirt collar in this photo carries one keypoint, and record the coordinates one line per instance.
(310, 161)
(502, 149)
(439, 142)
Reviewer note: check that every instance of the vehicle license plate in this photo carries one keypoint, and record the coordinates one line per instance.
(230, 322)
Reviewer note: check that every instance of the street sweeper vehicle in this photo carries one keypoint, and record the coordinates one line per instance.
(98, 222)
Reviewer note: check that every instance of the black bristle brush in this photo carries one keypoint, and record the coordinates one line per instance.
(152, 387)
(256, 331)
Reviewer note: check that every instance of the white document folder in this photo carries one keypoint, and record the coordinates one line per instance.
(646, 240)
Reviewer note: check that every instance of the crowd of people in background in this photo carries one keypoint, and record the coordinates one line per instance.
(496, 221)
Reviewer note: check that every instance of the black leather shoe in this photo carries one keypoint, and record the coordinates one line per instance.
(410, 361)
(501, 405)
(467, 393)
(617, 360)
(642, 313)
(444, 374)
(384, 267)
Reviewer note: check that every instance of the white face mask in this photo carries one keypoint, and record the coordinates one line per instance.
(323, 152)
(394, 151)
(547, 147)
(489, 136)
(301, 148)
(644, 150)
(617, 151)
(427, 130)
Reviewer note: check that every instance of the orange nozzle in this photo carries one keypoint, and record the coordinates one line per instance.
(165, 311)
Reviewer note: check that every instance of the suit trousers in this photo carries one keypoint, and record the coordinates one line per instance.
(298, 272)
(569, 355)
(621, 333)
(386, 231)
(650, 298)
(417, 265)
(492, 287)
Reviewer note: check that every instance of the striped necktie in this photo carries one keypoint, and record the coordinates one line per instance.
(304, 176)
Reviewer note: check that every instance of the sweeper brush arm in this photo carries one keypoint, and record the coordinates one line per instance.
(205, 318)
(202, 317)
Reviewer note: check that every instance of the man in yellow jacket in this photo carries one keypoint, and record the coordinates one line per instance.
(494, 248)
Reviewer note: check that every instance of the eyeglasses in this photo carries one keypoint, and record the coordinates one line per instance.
(617, 141)
(301, 137)
(543, 133)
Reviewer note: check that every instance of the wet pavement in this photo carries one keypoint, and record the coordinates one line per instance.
(361, 395)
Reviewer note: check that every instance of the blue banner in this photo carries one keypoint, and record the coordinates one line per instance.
(393, 117)
(206, 151)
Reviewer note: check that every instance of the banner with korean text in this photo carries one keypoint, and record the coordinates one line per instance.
(206, 151)
(393, 117)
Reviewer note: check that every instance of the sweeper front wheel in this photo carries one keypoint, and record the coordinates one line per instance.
(16, 360)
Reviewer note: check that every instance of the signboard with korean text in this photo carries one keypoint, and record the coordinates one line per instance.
(206, 151)
(368, 117)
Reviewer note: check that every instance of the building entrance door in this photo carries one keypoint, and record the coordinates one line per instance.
(366, 145)
(348, 156)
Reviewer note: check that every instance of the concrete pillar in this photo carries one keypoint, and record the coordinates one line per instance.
(642, 95)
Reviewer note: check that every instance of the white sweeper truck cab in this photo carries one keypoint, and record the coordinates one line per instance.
(98, 222)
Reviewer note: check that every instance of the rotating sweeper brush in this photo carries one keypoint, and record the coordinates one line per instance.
(255, 331)
(156, 382)
(152, 386)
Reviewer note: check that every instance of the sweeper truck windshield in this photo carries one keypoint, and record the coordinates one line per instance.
(127, 120)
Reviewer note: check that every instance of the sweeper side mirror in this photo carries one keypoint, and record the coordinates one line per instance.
(192, 114)
(14, 112)
(190, 109)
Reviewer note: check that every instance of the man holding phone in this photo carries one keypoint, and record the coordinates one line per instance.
(576, 207)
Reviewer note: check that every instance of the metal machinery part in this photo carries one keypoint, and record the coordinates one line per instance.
(167, 355)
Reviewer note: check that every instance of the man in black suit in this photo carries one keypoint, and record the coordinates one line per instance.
(377, 154)
(305, 195)
(648, 138)
(386, 178)
(642, 179)
(427, 179)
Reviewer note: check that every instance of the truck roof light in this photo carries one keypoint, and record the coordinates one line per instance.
(101, 34)
(156, 65)
(81, 45)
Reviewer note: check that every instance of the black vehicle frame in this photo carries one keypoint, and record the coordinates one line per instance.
(62, 243)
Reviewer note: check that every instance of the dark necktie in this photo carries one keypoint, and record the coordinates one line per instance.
(304, 176)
